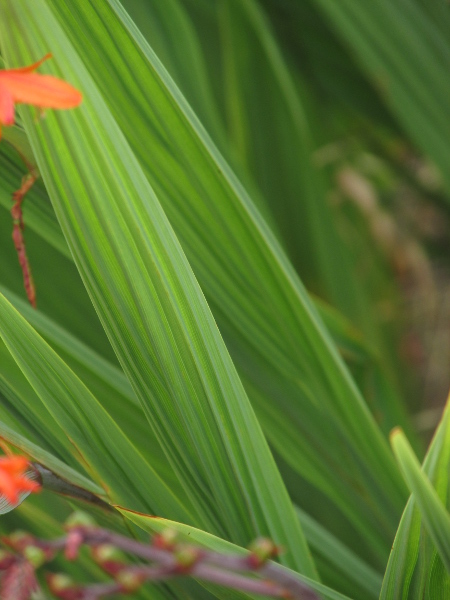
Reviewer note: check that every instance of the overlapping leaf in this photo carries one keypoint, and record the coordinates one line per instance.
(111, 388)
(338, 562)
(269, 324)
(271, 123)
(164, 22)
(51, 462)
(44, 515)
(98, 440)
(212, 542)
(143, 289)
(415, 569)
(151, 307)
(104, 380)
(407, 55)
(431, 507)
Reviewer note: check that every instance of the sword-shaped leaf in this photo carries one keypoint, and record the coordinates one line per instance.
(299, 386)
(96, 438)
(416, 568)
(150, 303)
(403, 48)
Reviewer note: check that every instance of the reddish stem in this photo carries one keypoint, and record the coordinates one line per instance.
(227, 570)
(17, 235)
(282, 584)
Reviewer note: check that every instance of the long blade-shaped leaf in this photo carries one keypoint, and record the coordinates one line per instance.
(151, 306)
(415, 569)
(48, 460)
(338, 559)
(21, 409)
(107, 451)
(211, 542)
(164, 22)
(270, 326)
(407, 56)
(434, 514)
(44, 516)
(106, 381)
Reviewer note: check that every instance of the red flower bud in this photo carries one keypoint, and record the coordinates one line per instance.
(165, 540)
(62, 586)
(109, 558)
(262, 550)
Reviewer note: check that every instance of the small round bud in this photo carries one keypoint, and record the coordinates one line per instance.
(74, 540)
(165, 540)
(129, 581)
(262, 550)
(186, 557)
(34, 555)
(59, 582)
(105, 552)
(109, 558)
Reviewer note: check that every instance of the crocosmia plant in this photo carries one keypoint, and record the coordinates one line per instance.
(224, 317)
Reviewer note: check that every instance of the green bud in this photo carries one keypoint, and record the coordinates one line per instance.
(166, 539)
(36, 556)
(186, 556)
(129, 581)
(107, 552)
(262, 550)
(59, 582)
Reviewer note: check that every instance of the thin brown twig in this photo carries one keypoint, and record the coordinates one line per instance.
(18, 238)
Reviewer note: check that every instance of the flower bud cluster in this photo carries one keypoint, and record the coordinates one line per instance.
(129, 564)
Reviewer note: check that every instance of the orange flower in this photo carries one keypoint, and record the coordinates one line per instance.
(12, 478)
(24, 86)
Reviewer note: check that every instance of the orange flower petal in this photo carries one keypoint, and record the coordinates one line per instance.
(13, 481)
(26, 485)
(14, 465)
(6, 106)
(30, 68)
(43, 91)
(8, 488)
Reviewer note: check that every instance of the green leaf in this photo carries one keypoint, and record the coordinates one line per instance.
(21, 410)
(280, 345)
(17, 138)
(162, 23)
(43, 515)
(275, 140)
(415, 569)
(190, 534)
(48, 460)
(96, 438)
(150, 303)
(105, 380)
(338, 559)
(406, 55)
(432, 509)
